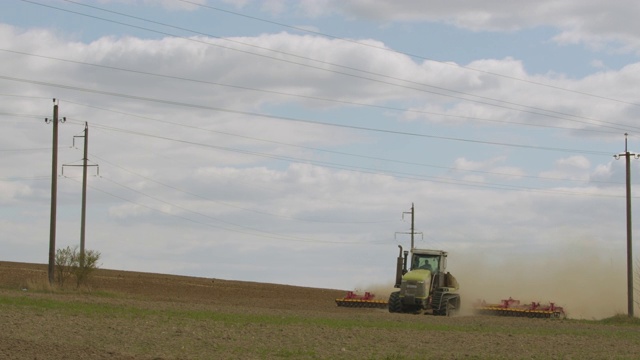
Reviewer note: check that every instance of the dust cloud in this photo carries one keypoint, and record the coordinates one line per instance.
(589, 283)
(380, 291)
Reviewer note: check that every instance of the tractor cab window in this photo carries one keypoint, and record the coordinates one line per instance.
(426, 262)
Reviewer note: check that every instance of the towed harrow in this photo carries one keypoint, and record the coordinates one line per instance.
(511, 307)
(361, 301)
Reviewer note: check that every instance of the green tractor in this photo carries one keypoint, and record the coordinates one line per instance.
(425, 287)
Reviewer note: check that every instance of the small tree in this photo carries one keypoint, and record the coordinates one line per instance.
(64, 263)
(83, 268)
(69, 262)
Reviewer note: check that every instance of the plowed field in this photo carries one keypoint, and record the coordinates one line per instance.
(126, 315)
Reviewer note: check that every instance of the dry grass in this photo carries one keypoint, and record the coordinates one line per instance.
(38, 284)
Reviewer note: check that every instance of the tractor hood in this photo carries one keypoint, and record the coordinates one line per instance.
(417, 275)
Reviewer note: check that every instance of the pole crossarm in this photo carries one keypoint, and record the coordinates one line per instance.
(630, 154)
(78, 165)
(409, 232)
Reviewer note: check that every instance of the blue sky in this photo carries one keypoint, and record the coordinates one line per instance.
(233, 145)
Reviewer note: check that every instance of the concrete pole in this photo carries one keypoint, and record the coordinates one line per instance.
(630, 304)
(627, 155)
(84, 193)
(54, 196)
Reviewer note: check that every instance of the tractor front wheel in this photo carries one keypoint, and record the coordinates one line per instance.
(395, 305)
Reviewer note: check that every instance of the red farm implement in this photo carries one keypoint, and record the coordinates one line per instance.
(361, 301)
(511, 307)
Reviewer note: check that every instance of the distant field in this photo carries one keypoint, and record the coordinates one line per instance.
(128, 315)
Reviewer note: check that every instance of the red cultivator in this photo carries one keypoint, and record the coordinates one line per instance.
(511, 307)
(361, 301)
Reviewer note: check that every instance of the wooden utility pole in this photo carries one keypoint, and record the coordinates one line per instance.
(84, 193)
(413, 229)
(84, 165)
(54, 191)
(628, 155)
(413, 224)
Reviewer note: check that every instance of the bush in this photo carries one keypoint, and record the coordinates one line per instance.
(64, 262)
(70, 262)
(84, 267)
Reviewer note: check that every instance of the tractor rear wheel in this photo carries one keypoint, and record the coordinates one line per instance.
(449, 306)
(395, 305)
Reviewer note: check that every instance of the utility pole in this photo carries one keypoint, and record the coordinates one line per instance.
(84, 193)
(54, 191)
(84, 189)
(413, 232)
(628, 156)
(413, 224)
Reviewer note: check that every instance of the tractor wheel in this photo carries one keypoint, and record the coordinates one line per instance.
(449, 309)
(450, 306)
(453, 306)
(395, 305)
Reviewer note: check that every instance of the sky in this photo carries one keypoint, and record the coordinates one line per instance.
(286, 141)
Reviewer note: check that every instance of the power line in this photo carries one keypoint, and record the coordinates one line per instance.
(360, 169)
(285, 118)
(26, 149)
(550, 112)
(324, 164)
(324, 150)
(233, 205)
(27, 96)
(316, 98)
(40, 177)
(395, 174)
(344, 154)
(247, 231)
(340, 152)
(340, 166)
(325, 62)
(421, 57)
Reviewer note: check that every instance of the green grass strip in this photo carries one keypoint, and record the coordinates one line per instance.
(75, 307)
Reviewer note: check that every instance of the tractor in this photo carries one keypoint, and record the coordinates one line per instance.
(425, 286)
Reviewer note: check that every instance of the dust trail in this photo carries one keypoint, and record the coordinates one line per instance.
(588, 283)
(381, 291)
(585, 279)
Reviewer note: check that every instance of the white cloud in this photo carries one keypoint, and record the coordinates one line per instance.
(173, 5)
(478, 171)
(575, 162)
(596, 63)
(128, 211)
(592, 23)
(574, 167)
(210, 64)
(9, 191)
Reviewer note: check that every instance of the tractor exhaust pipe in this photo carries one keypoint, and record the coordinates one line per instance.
(400, 268)
(404, 267)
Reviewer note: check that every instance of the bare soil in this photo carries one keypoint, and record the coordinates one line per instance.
(128, 315)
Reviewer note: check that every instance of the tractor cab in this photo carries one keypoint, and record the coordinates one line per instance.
(428, 260)
(422, 259)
